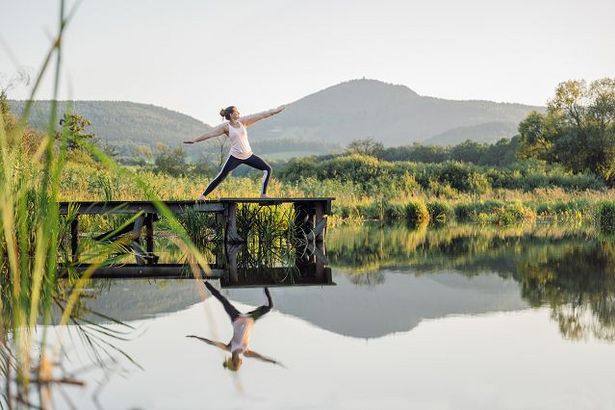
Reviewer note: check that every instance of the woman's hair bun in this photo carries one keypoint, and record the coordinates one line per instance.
(223, 112)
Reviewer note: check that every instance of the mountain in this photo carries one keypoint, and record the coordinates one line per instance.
(318, 123)
(489, 132)
(391, 114)
(123, 123)
(127, 125)
(346, 309)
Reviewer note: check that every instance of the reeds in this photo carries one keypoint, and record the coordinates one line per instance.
(33, 179)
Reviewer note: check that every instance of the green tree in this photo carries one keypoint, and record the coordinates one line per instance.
(468, 151)
(578, 129)
(366, 146)
(75, 125)
(171, 161)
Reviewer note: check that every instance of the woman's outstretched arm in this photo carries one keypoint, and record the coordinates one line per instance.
(251, 119)
(211, 342)
(251, 353)
(216, 132)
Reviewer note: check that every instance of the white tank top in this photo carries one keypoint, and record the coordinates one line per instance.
(242, 327)
(240, 147)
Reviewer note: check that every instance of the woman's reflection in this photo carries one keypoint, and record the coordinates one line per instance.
(242, 327)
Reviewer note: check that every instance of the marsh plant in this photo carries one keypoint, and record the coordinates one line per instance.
(202, 227)
(32, 164)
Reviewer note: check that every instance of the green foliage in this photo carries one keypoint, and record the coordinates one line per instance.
(171, 161)
(572, 209)
(200, 226)
(494, 212)
(366, 146)
(5, 109)
(440, 211)
(578, 129)
(502, 153)
(416, 212)
(394, 211)
(446, 179)
(75, 125)
(606, 216)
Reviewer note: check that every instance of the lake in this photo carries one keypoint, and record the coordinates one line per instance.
(460, 317)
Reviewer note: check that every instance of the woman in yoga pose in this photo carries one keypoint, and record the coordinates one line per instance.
(241, 153)
(242, 328)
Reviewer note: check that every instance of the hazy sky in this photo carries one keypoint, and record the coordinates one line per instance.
(196, 56)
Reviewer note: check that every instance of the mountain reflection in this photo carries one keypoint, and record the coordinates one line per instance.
(389, 280)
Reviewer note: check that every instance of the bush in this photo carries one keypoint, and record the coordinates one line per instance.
(497, 212)
(440, 211)
(416, 212)
(606, 216)
(394, 212)
(571, 209)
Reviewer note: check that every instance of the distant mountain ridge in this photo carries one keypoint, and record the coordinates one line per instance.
(393, 115)
(326, 120)
(123, 122)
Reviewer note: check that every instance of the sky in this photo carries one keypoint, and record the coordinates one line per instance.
(197, 56)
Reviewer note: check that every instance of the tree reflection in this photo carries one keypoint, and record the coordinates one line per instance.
(569, 269)
(579, 286)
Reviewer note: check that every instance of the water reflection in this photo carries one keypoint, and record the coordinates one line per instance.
(35, 359)
(395, 289)
(572, 270)
(242, 330)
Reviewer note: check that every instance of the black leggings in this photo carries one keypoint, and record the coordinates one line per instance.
(231, 163)
(232, 310)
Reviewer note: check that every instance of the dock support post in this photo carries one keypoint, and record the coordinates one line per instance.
(74, 238)
(231, 266)
(320, 222)
(310, 218)
(149, 233)
(135, 243)
(303, 220)
(230, 216)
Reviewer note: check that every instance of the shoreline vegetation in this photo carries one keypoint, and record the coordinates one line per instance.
(436, 194)
(370, 183)
(561, 166)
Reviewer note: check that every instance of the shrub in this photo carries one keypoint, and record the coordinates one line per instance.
(440, 211)
(606, 216)
(497, 212)
(394, 212)
(416, 212)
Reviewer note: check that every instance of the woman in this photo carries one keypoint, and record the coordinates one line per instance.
(241, 153)
(242, 328)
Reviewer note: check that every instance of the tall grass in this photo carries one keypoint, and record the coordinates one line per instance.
(32, 181)
(29, 186)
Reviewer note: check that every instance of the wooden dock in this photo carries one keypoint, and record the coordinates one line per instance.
(310, 217)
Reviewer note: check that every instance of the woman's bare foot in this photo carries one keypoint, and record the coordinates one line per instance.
(264, 196)
(201, 198)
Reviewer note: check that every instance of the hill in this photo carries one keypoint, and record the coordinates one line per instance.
(319, 123)
(123, 123)
(128, 125)
(489, 132)
(391, 114)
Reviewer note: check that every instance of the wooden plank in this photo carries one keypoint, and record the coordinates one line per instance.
(115, 208)
(131, 207)
(135, 271)
(311, 275)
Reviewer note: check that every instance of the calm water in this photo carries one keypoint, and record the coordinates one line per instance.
(459, 318)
